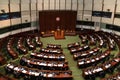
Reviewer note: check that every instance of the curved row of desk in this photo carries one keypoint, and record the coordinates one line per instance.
(95, 63)
(44, 64)
(85, 62)
(48, 56)
(22, 48)
(11, 50)
(48, 63)
(32, 73)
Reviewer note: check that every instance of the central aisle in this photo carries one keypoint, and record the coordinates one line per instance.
(63, 42)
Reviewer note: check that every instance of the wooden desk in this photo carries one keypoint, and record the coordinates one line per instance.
(36, 74)
(38, 41)
(86, 62)
(30, 43)
(42, 64)
(59, 34)
(49, 50)
(10, 49)
(97, 70)
(79, 49)
(73, 45)
(85, 54)
(21, 47)
(48, 56)
(54, 46)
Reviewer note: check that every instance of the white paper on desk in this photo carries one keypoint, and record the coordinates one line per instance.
(24, 71)
(11, 66)
(60, 65)
(50, 75)
(81, 62)
(49, 64)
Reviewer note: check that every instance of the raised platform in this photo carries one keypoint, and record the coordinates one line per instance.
(65, 34)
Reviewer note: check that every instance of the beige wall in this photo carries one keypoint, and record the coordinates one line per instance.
(30, 8)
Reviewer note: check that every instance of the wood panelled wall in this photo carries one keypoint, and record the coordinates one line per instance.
(48, 22)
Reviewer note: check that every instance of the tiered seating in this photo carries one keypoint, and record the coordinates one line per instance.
(32, 73)
(79, 49)
(50, 63)
(38, 42)
(101, 41)
(10, 49)
(73, 45)
(86, 54)
(91, 39)
(83, 38)
(48, 56)
(44, 64)
(99, 62)
(30, 43)
(100, 70)
(50, 50)
(53, 67)
(21, 47)
(85, 62)
(54, 46)
(110, 42)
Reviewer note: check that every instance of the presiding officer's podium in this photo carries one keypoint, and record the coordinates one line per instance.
(59, 34)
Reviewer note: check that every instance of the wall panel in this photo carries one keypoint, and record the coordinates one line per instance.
(14, 1)
(25, 17)
(118, 6)
(14, 7)
(80, 4)
(74, 4)
(87, 15)
(33, 16)
(68, 4)
(4, 2)
(97, 5)
(117, 21)
(5, 23)
(25, 1)
(62, 4)
(25, 7)
(33, 1)
(52, 4)
(109, 5)
(33, 6)
(15, 21)
(79, 14)
(4, 7)
(46, 4)
(79, 17)
(40, 5)
(87, 4)
(96, 19)
(107, 20)
(57, 5)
